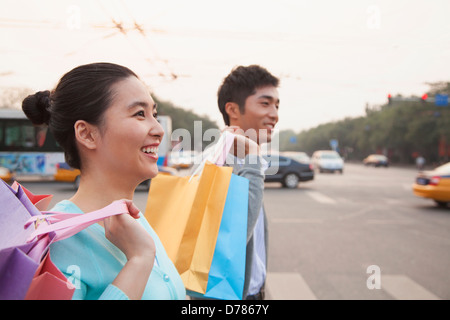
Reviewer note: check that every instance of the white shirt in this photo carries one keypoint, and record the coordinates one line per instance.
(258, 274)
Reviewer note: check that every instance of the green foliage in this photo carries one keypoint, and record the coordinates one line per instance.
(400, 130)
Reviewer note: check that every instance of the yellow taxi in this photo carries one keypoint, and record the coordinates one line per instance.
(5, 174)
(65, 173)
(434, 185)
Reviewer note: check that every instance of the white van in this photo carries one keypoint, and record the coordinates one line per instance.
(327, 160)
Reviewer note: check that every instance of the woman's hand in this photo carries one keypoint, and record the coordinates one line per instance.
(128, 235)
(138, 246)
(242, 145)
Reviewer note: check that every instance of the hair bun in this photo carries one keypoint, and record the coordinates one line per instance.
(36, 107)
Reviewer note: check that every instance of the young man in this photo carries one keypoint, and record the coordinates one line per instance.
(248, 100)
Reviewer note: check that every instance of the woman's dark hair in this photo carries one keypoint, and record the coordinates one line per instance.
(83, 93)
(241, 83)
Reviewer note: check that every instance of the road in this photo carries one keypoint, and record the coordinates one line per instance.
(359, 235)
(325, 234)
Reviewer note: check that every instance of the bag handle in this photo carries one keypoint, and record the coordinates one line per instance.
(223, 148)
(219, 153)
(68, 224)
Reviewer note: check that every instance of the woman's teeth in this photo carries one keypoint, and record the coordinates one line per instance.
(150, 150)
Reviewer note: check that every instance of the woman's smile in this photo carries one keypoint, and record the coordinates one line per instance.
(151, 151)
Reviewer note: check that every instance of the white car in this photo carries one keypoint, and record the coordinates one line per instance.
(5, 174)
(182, 159)
(327, 160)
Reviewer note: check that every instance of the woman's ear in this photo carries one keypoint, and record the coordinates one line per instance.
(86, 134)
(232, 109)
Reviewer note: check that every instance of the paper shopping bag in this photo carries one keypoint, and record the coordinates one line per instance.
(40, 201)
(227, 273)
(49, 283)
(186, 214)
(17, 270)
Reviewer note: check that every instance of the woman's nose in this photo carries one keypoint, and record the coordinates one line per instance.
(156, 129)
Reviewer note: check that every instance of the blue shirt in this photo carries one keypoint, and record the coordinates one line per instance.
(91, 262)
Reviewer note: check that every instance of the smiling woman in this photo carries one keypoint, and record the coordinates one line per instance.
(105, 120)
(129, 126)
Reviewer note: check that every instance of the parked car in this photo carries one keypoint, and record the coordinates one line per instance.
(182, 159)
(301, 157)
(66, 173)
(5, 174)
(290, 171)
(327, 160)
(434, 184)
(376, 160)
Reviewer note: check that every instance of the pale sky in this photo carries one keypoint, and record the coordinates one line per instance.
(332, 56)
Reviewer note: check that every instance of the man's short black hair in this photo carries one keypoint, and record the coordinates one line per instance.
(241, 83)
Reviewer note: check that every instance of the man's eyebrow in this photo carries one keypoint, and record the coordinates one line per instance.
(269, 98)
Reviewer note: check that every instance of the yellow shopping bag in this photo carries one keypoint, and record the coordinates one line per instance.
(186, 214)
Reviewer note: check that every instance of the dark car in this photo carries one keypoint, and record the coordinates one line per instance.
(290, 172)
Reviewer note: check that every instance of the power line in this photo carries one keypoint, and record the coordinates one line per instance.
(125, 31)
(142, 32)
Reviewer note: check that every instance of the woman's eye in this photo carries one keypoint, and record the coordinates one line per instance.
(140, 113)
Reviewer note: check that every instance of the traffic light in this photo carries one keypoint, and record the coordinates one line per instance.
(424, 97)
(389, 98)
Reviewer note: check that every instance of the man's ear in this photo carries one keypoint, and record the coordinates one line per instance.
(86, 134)
(232, 109)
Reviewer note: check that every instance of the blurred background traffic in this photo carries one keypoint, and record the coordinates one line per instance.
(31, 153)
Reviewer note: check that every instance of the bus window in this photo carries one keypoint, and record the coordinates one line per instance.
(41, 136)
(23, 136)
(28, 137)
(12, 135)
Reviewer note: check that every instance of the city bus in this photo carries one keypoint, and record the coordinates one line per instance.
(27, 150)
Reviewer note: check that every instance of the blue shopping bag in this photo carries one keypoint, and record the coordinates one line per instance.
(227, 273)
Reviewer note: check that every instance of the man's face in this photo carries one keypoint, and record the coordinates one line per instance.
(260, 115)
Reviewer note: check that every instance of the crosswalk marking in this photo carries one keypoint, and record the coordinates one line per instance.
(388, 222)
(403, 288)
(287, 286)
(292, 286)
(295, 220)
(319, 197)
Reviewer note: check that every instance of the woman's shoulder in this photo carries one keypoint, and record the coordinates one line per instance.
(66, 206)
